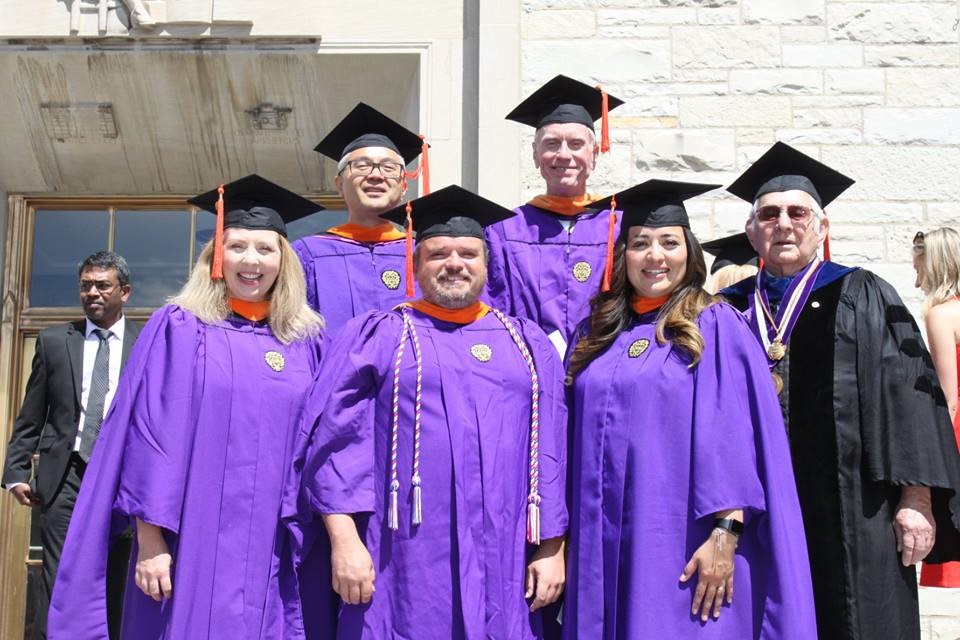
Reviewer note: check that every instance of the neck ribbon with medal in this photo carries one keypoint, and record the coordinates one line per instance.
(775, 330)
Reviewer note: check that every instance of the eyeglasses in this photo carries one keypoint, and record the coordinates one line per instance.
(798, 214)
(100, 285)
(364, 167)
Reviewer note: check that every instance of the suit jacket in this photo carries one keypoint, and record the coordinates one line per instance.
(50, 412)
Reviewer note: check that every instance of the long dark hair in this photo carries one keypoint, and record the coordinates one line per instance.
(611, 313)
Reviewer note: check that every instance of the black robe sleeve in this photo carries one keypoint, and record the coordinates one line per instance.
(905, 429)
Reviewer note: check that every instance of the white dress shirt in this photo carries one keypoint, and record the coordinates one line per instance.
(90, 345)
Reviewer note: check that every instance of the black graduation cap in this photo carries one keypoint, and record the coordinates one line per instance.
(451, 211)
(735, 249)
(364, 126)
(563, 100)
(254, 202)
(783, 168)
(654, 203)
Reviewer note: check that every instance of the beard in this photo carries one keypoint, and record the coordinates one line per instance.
(450, 298)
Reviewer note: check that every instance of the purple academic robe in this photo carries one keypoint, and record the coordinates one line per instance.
(459, 574)
(346, 278)
(657, 449)
(541, 270)
(197, 442)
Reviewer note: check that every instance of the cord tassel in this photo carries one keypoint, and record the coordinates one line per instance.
(608, 263)
(533, 520)
(393, 516)
(409, 252)
(417, 502)
(424, 165)
(216, 269)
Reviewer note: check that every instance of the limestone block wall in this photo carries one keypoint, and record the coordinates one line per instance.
(869, 87)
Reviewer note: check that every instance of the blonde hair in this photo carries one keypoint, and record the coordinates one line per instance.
(941, 266)
(729, 275)
(290, 319)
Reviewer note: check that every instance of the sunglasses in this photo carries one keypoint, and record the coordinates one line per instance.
(771, 212)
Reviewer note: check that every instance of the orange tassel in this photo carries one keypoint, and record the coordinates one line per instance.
(604, 121)
(409, 257)
(425, 166)
(608, 264)
(216, 269)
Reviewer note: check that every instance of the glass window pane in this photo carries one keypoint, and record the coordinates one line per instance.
(61, 241)
(315, 223)
(156, 245)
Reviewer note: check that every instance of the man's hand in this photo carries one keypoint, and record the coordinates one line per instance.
(152, 574)
(351, 564)
(546, 574)
(25, 495)
(914, 525)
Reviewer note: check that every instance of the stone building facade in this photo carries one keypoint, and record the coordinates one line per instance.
(109, 105)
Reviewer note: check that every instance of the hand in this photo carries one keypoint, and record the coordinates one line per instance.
(25, 495)
(353, 572)
(546, 574)
(914, 525)
(714, 562)
(152, 574)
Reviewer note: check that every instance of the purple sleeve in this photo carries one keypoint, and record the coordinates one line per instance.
(306, 261)
(78, 605)
(161, 429)
(497, 293)
(553, 432)
(339, 460)
(734, 399)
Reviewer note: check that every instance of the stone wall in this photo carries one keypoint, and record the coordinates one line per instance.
(870, 87)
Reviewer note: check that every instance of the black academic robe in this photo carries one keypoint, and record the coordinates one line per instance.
(865, 415)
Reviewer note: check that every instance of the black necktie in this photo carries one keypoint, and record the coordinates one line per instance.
(99, 384)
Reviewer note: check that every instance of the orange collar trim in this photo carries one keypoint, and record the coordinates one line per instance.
(468, 314)
(253, 311)
(642, 305)
(358, 233)
(565, 206)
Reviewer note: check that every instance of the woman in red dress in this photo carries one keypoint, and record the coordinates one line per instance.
(936, 259)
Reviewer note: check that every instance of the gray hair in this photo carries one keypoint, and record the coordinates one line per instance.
(539, 134)
(107, 260)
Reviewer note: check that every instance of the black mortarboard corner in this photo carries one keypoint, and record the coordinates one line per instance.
(364, 126)
(735, 249)
(564, 100)
(783, 168)
(251, 202)
(451, 211)
(654, 203)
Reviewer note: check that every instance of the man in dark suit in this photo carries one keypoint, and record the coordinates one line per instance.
(76, 367)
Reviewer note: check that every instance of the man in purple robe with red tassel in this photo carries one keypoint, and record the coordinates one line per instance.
(437, 452)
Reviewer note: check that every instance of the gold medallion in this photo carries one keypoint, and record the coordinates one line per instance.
(481, 352)
(776, 350)
(275, 360)
(637, 347)
(390, 279)
(777, 381)
(582, 271)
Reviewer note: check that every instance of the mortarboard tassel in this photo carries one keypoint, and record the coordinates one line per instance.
(216, 269)
(408, 268)
(424, 166)
(604, 121)
(608, 264)
(826, 243)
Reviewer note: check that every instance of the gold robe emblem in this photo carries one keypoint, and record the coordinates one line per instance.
(637, 347)
(582, 271)
(481, 352)
(275, 360)
(390, 279)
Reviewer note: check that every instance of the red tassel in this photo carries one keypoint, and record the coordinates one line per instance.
(604, 121)
(826, 243)
(409, 257)
(216, 269)
(608, 263)
(424, 166)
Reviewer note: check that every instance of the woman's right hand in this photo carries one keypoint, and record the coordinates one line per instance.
(154, 562)
(351, 564)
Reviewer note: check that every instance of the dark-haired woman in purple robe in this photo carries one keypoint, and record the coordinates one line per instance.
(684, 520)
(196, 448)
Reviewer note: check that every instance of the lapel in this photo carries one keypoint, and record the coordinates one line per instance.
(75, 339)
